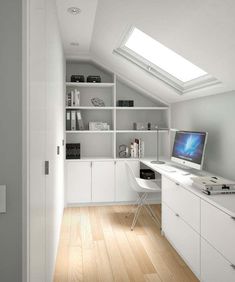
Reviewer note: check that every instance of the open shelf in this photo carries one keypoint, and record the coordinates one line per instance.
(89, 108)
(104, 145)
(142, 108)
(89, 84)
(143, 131)
(89, 131)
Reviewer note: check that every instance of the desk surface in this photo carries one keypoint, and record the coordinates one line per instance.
(224, 202)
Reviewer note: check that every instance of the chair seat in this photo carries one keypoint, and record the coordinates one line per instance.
(147, 185)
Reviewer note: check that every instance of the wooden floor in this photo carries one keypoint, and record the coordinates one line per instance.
(96, 244)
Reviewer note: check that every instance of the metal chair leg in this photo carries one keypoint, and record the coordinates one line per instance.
(140, 205)
(136, 217)
(133, 207)
(152, 214)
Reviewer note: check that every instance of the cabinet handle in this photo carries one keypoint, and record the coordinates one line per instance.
(233, 217)
(177, 215)
(233, 266)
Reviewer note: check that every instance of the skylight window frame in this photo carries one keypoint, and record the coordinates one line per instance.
(180, 86)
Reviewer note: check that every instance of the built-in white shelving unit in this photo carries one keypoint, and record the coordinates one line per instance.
(105, 144)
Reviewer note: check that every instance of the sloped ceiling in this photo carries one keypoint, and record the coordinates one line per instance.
(200, 31)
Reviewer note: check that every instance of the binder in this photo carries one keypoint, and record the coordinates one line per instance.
(68, 120)
(73, 120)
(80, 125)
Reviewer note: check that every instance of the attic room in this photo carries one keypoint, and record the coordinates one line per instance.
(117, 153)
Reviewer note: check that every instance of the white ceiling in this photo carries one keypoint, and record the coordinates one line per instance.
(77, 28)
(200, 31)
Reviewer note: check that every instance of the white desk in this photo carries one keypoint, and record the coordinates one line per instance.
(200, 227)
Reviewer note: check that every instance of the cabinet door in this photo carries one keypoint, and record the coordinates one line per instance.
(103, 181)
(181, 201)
(214, 267)
(123, 190)
(218, 228)
(185, 240)
(78, 182)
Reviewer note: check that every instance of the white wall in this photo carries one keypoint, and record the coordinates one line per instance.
(216, 115)
(46, 132)
(10, 138)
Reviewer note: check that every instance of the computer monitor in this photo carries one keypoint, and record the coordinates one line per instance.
(189, 148)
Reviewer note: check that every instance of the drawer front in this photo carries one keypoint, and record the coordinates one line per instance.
(214, 267)
(185, 240)
(183, 202)
(218, 228)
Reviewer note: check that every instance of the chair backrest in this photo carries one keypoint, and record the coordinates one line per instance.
(131, 178)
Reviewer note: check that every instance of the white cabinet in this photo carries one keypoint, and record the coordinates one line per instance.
(103, 181)
(214, 267)
(185, 240)
(78, 182)
(123, 190)
(218, 228)
(183, 202)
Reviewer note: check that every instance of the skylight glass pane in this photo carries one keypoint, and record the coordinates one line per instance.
(161, 56)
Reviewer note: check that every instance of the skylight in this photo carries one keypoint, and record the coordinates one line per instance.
(163, 63)
(161, 56)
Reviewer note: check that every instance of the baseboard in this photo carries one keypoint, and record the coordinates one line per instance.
(91, 204)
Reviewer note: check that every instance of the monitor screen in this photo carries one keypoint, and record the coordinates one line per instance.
(189, 148)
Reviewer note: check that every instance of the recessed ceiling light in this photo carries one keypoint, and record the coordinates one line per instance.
(76, 44)
(74, 10)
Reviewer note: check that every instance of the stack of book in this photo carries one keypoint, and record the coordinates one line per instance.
(74, 120)
(213, 185)
(73, 98)
(137, 148)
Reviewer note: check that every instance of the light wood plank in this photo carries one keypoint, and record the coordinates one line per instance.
(152, 277)
(96, 244)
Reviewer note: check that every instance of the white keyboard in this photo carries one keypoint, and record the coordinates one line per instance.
(167, 168)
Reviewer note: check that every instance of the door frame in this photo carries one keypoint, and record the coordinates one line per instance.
(25, 140)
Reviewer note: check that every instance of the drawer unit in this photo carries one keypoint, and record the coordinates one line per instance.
(185, 240)
(214, 267)
(183, 202)
(218, 228)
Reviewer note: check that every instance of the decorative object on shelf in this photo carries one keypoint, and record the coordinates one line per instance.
(123, 151)
(73, 98)
(94, 78)
(125, 103)
(98, 126)
(149, 125)
(140, 125)
(154, 127)
(73, 151)
(137, 148)
(77, 78)
(97, 102)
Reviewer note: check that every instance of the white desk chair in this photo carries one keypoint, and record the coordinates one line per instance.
(143, 188)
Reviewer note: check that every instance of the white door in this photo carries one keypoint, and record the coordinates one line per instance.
(78, 179)
(37, 141)
(103, 181)
(54, 136)
(123, 190)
